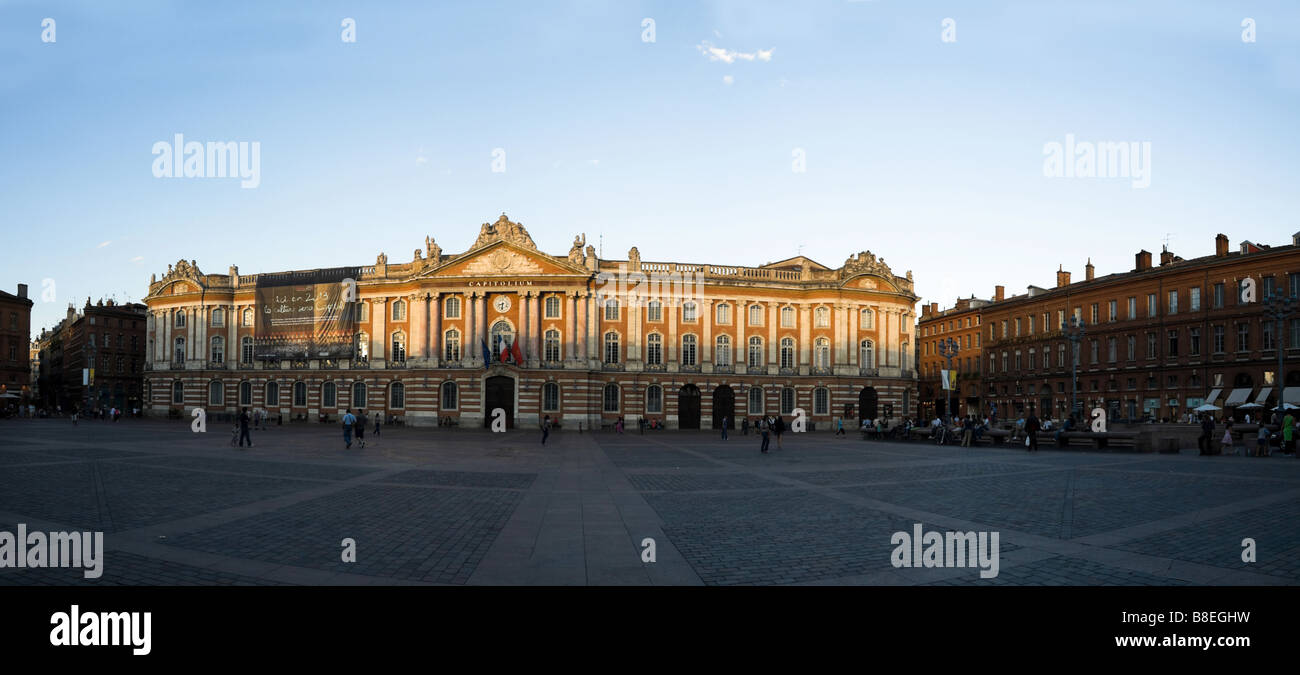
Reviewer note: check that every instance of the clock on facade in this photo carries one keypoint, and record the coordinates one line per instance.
(502, 304)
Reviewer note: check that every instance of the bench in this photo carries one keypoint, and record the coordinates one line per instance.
(1099, 440)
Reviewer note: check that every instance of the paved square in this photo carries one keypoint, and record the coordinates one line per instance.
(465, 507)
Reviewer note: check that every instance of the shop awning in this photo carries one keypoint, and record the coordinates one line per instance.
(1214, 394)
(1264, 393)
(1238, 396)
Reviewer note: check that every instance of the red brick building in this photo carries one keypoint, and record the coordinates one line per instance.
(962, 324)
(94, 359)
(1158, 340)
(15, 339)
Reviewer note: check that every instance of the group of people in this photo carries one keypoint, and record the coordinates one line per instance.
(357, 424)
(1263, 435)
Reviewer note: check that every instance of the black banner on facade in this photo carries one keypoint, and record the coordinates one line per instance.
(307, 315)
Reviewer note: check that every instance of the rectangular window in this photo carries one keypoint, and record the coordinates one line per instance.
(1060, 318)
(1095, 315)
(1132, 347)
(1194, 301)
(1173, 302)
(1266, 335)
(654, 311)
(724, 314)
(756, 315)
(1293, 280)
(1218, 339)
(1218, 296)
(1113, 308)
(1295, 334)
(1243, 337)
(1031, 325)
(1194, 341)
(1017, 327)
(1151, 345)
(1266, 287)
(1152, 308)
(611, 310)
(1173, 343)
(1132, 308)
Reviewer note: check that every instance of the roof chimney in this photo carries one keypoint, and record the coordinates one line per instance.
(934, 308)
(1221, 246)
(1062, 277)
(1088, 270)
(999, 293)
(1143, 260)
(1166, 256)
(22, 290)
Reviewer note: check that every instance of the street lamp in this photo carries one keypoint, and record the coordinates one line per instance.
(948, 349)
(1279, 307)
(1074, 330)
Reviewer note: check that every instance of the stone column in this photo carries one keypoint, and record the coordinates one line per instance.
(773, 344)
(534, 343)
(417, 347)
(805, 335)
(853, 335)
(571, 327)
(582, 354)
(232, 337)
(470, 349)
(634, 339)
(162, 335)
(525, 337)
(378, 328)
(435, 327)
(192, 333)
(706, 321)
(672, 307)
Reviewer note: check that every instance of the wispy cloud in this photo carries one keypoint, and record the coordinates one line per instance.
(731, 56)
(137, 259)
(102, 244)
(728, 80)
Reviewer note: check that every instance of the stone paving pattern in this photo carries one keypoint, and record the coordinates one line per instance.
(466, 507)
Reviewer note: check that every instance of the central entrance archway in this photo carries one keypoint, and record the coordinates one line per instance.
(499, 392)
(724, 406)
(688, 407)
(867, 404)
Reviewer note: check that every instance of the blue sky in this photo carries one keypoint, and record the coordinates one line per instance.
(928, 153)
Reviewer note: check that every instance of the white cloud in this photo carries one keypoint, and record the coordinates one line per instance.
(594, 162)
(728, 80)
(137, 259)
(730, 56)
(102, 244)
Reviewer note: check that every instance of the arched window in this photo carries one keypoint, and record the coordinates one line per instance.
(218, 350)
(245, 393)
(178, 393)
(611, 397)
(363, 346)
(329, 395)
(216, 395)
(722, 351)
(822, 317)
(551, 343)
(654, 399)
(503, 335)
(689, 312)
(787, 317)
(550, 397)
(755, 351)
(449, 395)
(654, 311)
(399, 310)
(822, 353)
(358, 395)
(755, 315)
(867, 353)
(299, 394)
(451, 345)
(787, 400)
(452, 308)
(397, 395)
(399, 347)
(821, 401)
(552, 307)
(866, 319)
(611, 347)
(180, 350)
(755, 400)
(248, 317)
(787, 352)
(273, 393)
(180, 319)
(611, 309)
(689, 346)
(246, 350)
(654, 353)
(218, 317)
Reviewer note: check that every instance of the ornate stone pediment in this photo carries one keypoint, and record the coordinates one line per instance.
(866, 263)
(503, 259)
(504, 230)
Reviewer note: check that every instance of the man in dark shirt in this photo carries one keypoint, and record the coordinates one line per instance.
(243, 428)
(1207, 433)
(1032, 425)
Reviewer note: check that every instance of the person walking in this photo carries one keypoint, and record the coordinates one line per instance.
(348, 421)
(967, 431)
(377, 418)
(744, 426)
(839, 426)
(1261, 440)
(1207, 432)
(725, 420)
(778, 429)
(1226, 444)
(1032, 425)
(360, 428)
(243, 429)
(546, 428)
(1288, 434)
(766, 430)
